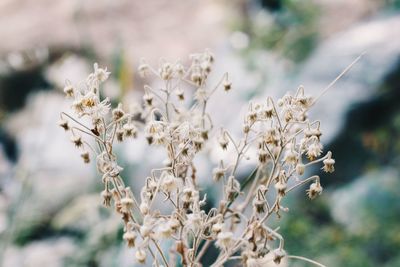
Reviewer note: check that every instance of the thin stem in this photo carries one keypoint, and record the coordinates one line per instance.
(168, 93)
(314, 177)
(277, 235)
(305, 259)
(235, 258)
(233, 141)
(83, 131)
(347, 69)
(275, 163)
(146, 87)
(91, 148)
(75, 120)
(126, 116)
(250, 194)
(161, 253)
(276, 114)
(298, 132)
(203, 250)
(225, 76)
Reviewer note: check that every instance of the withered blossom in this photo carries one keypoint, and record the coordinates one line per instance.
(285, 139)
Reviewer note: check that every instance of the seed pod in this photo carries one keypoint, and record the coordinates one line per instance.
(140, 256)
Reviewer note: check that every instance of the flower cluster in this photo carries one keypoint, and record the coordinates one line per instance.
(175, 118)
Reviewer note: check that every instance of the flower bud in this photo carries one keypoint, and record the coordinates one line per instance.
(63, 124)
(129, 130)
(77, 140)
(218, 173)
(106, 196)
(232, 188)
(224, 240)
(69, 90)
(126, 204)
(279, 254)
(263, 155)
(217, 228)
(268, 112)
(180, 94)
(290, 156)
(259, 205)
(314, 190)
(169, 183)
(281, 186)
(198, 143)
(204, 134)
(130, 238)
(118, 113)
(300, 168)
(148, 98)
(223, 140)
(144, 208)
(227, 85)
(140, 256)
(314, 150)
(85, 156)
(143, 69)
(329, 163)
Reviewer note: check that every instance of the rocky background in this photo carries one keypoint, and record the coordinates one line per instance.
(50, 213)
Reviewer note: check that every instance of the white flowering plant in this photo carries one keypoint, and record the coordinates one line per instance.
(286, 140)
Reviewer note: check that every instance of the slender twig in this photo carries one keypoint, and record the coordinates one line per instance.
(305, 259)
(347, 69)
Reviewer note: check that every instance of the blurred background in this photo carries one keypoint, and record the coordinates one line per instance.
(49, 200)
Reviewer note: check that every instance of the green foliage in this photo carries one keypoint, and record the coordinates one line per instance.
(290, 30)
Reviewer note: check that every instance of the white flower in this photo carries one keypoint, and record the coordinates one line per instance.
(201, 94)
(179, 69)
(143, 68)
(78, 107)
(164, 229)
(100, 74)
(126, 204)
(140, 255)
(300, 168)
(89, 100)
(69, 89)
(278, 255)
(77, 140)
(166, 71)
(100, 110)
(144, 208)
(147, 227)
(290, 156)
(223, 140)
(314, 190)
(130, 238)
(114, 169)
(281, 186)
(224, 240)
(169, 183)
(217, 228)
(232, 188)
(194, 220)
(329, 163)
(282, 137)
(129, 130)
(314, 150)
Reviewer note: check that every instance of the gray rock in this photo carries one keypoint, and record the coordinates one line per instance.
(379, 38)
(367, 202)
(41, 253)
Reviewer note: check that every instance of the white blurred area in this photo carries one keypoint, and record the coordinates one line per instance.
(43, 185)
(174, 28)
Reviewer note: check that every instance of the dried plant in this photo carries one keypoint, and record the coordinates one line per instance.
(286, 140)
